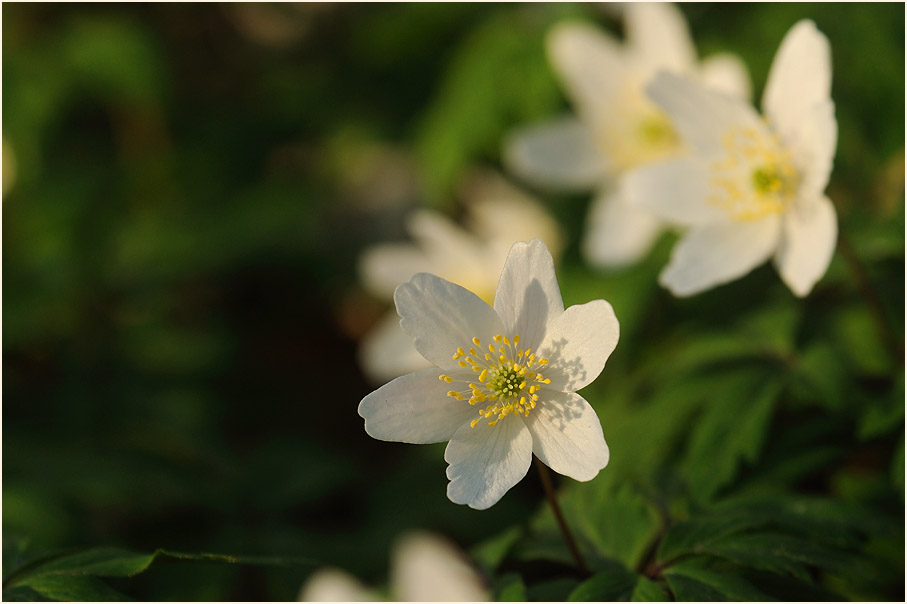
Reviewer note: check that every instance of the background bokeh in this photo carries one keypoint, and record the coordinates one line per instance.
(187, 188)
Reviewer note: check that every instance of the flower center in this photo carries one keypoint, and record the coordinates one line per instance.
(756, 178)
(507, 381)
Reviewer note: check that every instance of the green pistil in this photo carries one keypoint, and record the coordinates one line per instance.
(506, 384)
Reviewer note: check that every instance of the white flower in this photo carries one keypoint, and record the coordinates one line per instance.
(471, 258)
(504, 381)
(424, 568)
(616, 127)
(753, 187)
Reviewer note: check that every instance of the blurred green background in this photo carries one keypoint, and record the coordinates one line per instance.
(187, 188)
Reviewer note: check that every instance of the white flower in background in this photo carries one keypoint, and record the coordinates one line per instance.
(424, 568)
(753, 188)
(471, 258)
(504, 380)
(616, 128)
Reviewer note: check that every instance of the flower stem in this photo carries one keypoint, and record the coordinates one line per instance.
(559, 516)
(872, 298)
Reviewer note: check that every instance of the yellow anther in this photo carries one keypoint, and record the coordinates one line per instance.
(522, 385)
(543, 361)
(462, 364)
(476, 341)
(492, 423)
(516, 339)
(473, 423)
(483, 376)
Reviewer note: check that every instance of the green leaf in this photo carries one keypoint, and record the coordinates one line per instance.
(731, 429)
(648, 591)
(73, 576)
(509, 588)
(102, 562)
(781, 554)
(691, 582)
(555, 590)
(66, 589)
(613, 585)
(490, 553)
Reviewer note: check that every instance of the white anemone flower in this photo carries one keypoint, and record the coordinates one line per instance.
(424, 568)
(470, 257)
(753, 187)
(616, 128)
(503, 386)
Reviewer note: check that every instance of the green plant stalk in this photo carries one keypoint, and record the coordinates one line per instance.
(559, 516)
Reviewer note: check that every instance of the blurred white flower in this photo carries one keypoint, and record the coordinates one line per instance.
(504, 381)
(615, 128)
(424, 568)
(753, 187)
(471, 258)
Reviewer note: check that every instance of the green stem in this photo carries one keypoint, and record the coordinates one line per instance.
(872, 298)
(559, 516)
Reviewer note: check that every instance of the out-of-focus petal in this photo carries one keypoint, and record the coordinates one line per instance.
(577, 345)
(617, 233)
(714, 254)
(486, 461)
(727, 73)
(588, 63)
(567, 436)
(702, 116)
(528, 295)
(813, 145)
(799, 79)
(557, 155)
(442, 316)
(334, 585)
(427, 568)
(387, 351)
(809, 235)
(659, 32)
(387, 265)
(675, 191)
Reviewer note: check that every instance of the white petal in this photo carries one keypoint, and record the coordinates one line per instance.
(702, 116)
(717, 253)
(493, 202)
(486, 461)
(438, 235)
(659, 32)
(588, 63)
(528, 295)
(810, 232)
(334, 585)
(427, 568)
(800, 77)
(727, 73)
(617, 233)
(559, 155)
(578, 343)
(567, 436)
(414, 409)
(385, 266)
(675, 191)
(442, 317)
(813, 145)
(386, 351)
